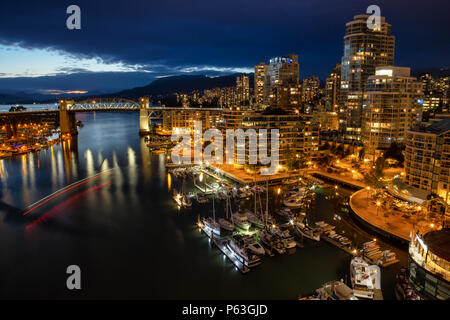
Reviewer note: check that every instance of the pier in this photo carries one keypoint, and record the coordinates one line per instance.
(337, 244)
(220, 243)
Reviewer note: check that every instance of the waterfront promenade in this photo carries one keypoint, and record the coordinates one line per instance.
(384, 221)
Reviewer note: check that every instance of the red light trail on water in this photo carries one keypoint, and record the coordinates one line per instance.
(60, 206)
(61, 192)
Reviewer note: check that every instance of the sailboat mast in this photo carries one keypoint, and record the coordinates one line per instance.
(267, 200)
(254, 191)
(214, 211)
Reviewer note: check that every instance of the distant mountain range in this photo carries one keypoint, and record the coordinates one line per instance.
(166, 86)
(179, 84)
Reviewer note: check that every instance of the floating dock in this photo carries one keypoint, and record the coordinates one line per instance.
(221, 244)
(205, 189)
(337, 244)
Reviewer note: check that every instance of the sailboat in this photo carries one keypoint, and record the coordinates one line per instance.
(181, 198)
(211, 224)
(225, 223)
(253, 217)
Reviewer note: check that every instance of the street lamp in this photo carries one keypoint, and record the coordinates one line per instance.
(378, 206)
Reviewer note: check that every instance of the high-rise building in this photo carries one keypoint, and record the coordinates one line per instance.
(392, 105)
(283, 71)
(427, 164)
(364, 50)
(333, 89)
(242, 90)
(310, 89)
(260, 84)
(282, 87)
(285, 96)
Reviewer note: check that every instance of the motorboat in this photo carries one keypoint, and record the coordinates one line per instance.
(285, 214)
(211, 225)
(253, 219)
(240, 220)
(333, 290)
(240, 251)
(254, 246)
(365, 278)
(222, 194)
(308, 232)
(244, 192)
(296, 192)
(186, 201)
(201, 198)
(257, 189)
(285, 237)
(293, 202)
(272, 242)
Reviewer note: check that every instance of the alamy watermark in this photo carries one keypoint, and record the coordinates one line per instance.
(74, 20)
(374, 20)
(74, 280)
(257, 145)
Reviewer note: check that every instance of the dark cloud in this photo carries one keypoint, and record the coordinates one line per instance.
(164, 36)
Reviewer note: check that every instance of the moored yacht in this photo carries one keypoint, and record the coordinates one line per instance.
(211, 225)
(226, 224)
(293, 202)
(240, 251)
(240, 220)
(365, 278)
(254, 219)
(201, 198)
(272, 242)
(308, 232)
(285, 214)
(254, 246)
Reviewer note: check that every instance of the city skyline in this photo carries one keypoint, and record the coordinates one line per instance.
(290, 128)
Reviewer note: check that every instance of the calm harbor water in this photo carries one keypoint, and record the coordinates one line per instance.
(122, 228)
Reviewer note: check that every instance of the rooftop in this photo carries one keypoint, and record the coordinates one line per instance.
(438, 242)
(435, 128)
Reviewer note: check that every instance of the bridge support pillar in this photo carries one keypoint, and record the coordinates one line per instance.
(11, 130)
(144, 125)
(67, 120)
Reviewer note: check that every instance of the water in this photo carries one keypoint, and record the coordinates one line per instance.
(124, 231)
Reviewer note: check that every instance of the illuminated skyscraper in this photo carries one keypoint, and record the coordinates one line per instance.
(392, 105)
(282, 87)
(364, 50)
(333, 89)
(283, 71)
(310, 88)
(242, 90)
(260, 83)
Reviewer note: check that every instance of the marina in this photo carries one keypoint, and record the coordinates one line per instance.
(280, 260)
(275, 232)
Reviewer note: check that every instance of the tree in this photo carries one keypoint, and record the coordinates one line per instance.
(375, 175)
(361, 154)
(395, 151)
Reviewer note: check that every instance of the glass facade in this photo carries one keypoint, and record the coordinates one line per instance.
(427, 284)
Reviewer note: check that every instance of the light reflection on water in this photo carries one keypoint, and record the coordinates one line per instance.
(124, 229)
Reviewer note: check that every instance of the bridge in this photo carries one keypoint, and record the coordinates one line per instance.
(65, 114)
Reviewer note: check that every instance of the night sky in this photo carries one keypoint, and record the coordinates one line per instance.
(124, 44)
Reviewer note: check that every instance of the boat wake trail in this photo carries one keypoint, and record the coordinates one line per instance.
(57, 193)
